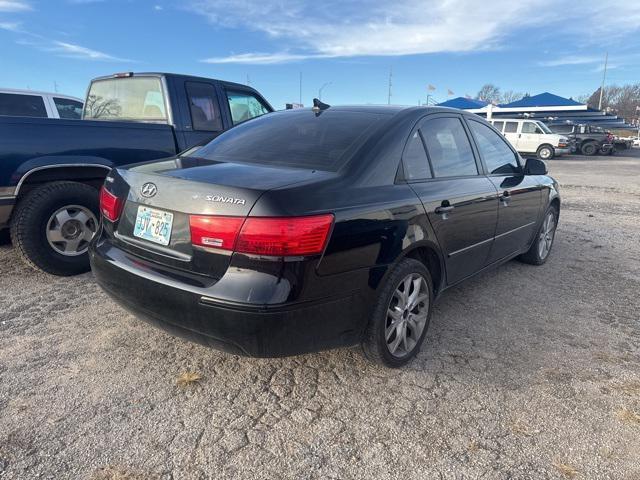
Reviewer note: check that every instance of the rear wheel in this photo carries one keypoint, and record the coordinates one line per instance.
(589, 148)
(541, 247)
(401, 315)
(52, 226)
(546, 152)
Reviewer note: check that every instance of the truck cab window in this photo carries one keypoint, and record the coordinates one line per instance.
(244, 106)
(132, 98)
(203, 104)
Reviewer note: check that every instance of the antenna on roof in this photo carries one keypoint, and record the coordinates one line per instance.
(318, 106)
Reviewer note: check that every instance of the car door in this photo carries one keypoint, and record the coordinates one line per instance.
(528, 137)
(461, 204)
(520, 196)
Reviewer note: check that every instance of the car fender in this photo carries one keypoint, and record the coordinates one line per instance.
(28, 168)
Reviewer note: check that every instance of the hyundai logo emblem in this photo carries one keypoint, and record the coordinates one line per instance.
(149, 189)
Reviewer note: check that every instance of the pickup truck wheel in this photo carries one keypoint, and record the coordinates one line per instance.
(400, 316)
(541, 247)
(589, 148)
(546, 152)
(52, 226)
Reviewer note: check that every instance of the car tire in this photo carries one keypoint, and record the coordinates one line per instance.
(396, 328)
(52, 225)
(589, 148)
(546, 152)
(540, 249)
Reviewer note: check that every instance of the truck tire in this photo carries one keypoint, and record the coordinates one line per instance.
(52, 225)
(589, 148)
(545, 152)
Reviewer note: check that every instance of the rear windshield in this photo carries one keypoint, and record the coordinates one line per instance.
(295, 139)
(134, 98)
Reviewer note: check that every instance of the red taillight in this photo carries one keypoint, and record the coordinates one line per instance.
(285, 236)
(110, 205)
(215, 232)
(276, 236)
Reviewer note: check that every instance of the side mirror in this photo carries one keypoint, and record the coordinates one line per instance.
(534, 166)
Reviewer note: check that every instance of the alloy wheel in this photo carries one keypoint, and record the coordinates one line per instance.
(407, 315)
(70, 229)
(546, 235)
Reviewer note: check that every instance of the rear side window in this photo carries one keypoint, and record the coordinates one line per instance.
(414, 159)
(295, 138)
(499, 125)
(22, 105)
(67, 108)
(495, 152)
(510, 127)
(203, 104)
(449, 148)
(244, 106)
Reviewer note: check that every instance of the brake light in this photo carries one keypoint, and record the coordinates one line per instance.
(215, 232)
(272, 236)
(285, 236)
(110, 205)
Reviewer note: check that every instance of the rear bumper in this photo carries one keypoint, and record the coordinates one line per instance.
(185, 310)
(6, 207)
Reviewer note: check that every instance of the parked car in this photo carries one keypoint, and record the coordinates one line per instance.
(588, 139)
(51, 170)
(622, 143)
(28, 103)
(532, 136)
(310, 229)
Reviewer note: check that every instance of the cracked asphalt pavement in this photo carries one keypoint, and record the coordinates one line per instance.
(526, 373)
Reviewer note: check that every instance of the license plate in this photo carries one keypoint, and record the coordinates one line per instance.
(153, 225)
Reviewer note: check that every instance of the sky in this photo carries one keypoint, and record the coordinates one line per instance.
(347, 48)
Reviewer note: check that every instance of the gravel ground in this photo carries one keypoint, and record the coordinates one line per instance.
(527, 372)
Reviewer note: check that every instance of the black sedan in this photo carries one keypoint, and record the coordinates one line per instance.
(312, 229)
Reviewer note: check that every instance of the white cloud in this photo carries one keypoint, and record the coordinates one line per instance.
(338, 28)
(77, 51)
(571, 60)
(11, 26)
(14, 6)
(262, 58)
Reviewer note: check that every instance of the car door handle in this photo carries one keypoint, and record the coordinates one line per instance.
(444, 209)
(505, 198)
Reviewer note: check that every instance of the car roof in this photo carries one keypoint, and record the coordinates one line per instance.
(18, 91)
(390, 110)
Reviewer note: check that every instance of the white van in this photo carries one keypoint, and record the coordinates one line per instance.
(532, 136)
(27, 103)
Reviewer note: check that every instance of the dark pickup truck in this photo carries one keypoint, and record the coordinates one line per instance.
(586, 139)
(51, 169)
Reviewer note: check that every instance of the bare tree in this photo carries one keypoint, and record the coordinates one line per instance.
(510, 96)
(489, 93)
(97, 107)
(619, 100)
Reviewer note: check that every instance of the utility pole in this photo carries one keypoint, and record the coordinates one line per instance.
(248, 81)
(322, 88)
(604, 77)
(390, 85)
(300, 100)
(55, 86)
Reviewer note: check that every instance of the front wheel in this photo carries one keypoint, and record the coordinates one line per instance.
(546, 152)
(589, 148)
(52, 226)
(401, 315)
(539, 251)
